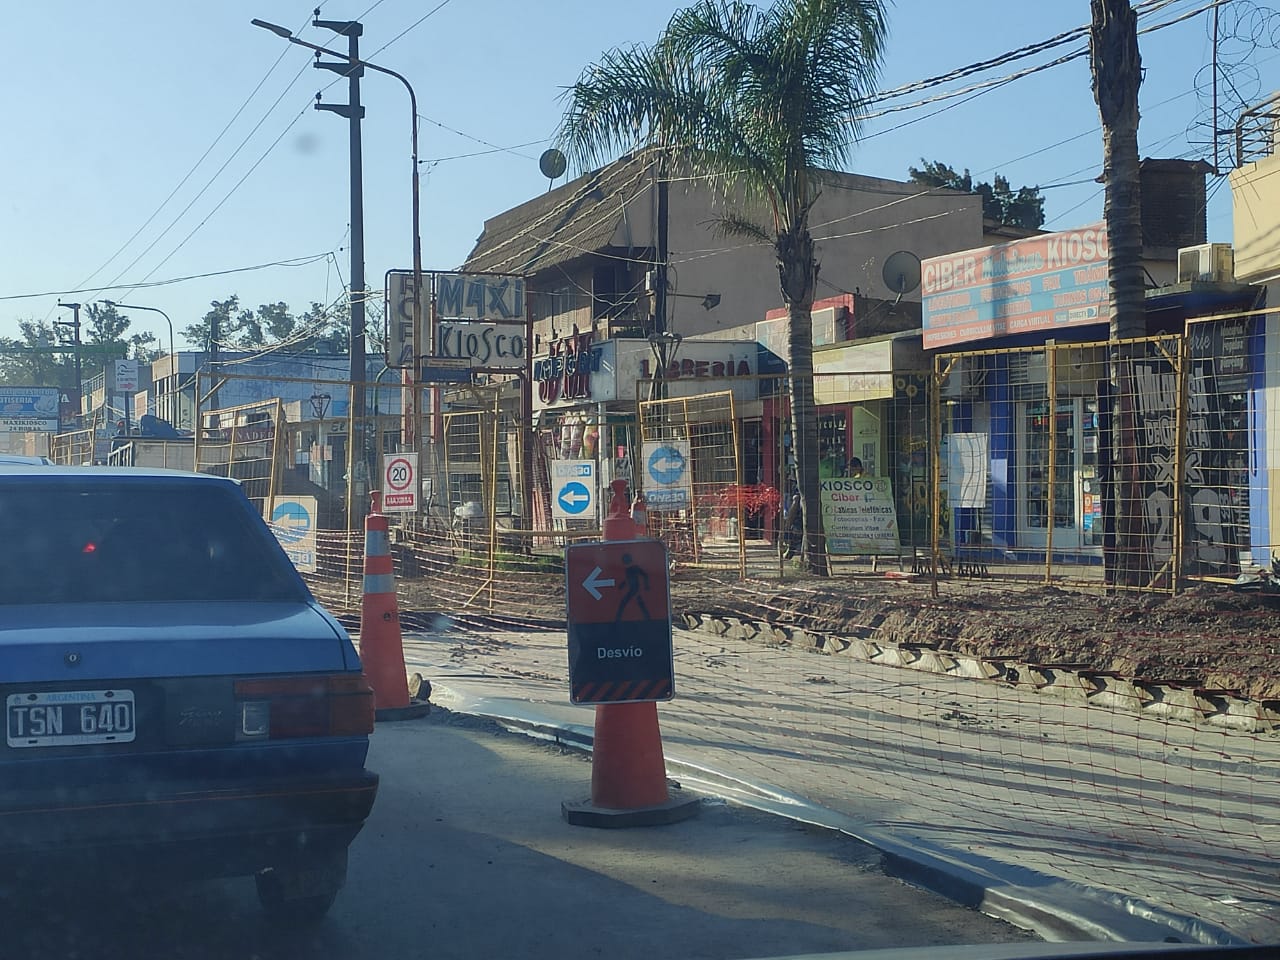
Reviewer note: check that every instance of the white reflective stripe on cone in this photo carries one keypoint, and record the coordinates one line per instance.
(379, 583)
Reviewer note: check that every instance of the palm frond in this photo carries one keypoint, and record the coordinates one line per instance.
(733, 225)
(764, 98)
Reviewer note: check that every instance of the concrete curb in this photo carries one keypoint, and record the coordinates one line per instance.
(1055, 909)
(1224, 710)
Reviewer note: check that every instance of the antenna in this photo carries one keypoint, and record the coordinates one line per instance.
(901, 272)
(552, 164)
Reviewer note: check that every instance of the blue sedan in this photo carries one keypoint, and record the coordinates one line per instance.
(175, 697)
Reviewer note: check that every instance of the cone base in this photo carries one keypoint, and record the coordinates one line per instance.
(415, 710)
(584, 813)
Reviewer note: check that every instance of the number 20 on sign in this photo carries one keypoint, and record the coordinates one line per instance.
(400, 483)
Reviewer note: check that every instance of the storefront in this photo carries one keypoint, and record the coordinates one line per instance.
(872, 403)
(1022, 332)
(585, 395)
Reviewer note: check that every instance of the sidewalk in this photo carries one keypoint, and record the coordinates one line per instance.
(1069, 820)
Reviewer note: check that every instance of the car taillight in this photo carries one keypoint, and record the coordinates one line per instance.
(274, 708)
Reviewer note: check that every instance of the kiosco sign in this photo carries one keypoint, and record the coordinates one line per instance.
(486, 346)
(1041, 283)
(480, 319)
(29, 409)
(859, 516)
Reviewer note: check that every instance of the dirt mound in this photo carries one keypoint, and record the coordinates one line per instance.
(1212, 637)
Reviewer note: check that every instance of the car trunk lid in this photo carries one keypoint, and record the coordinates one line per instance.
(106, 641)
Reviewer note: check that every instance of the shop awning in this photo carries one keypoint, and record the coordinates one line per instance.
(854, 372)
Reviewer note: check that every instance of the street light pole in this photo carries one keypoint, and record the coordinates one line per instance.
(352, 68)
(355, 62)
(173, 357)
(74, 324)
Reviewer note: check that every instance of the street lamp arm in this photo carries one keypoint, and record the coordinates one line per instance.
(416, 209)
(287, 34)
(134, 306)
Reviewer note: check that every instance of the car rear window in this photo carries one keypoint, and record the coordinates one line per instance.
(136, 542)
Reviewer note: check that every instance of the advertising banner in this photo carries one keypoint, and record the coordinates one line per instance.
(1041, 283)
(859, 516)
(29, 409)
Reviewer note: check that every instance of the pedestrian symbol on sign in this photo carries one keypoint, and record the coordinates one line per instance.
(634, 574)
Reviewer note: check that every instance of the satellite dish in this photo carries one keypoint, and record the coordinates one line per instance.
(901, 272)
(552, 164)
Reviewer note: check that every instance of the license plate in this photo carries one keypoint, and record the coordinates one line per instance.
(65, 718)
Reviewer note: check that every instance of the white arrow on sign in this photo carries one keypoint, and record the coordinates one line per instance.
(594, 582)
(573, 498)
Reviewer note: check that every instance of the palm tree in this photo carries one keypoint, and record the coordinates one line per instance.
(762, 101)
(1117, 73)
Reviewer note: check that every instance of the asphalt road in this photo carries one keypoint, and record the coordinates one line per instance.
(466, 856)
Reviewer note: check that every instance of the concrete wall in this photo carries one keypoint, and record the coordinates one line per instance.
(1255, 201)
(1255, 204)
(857, 223)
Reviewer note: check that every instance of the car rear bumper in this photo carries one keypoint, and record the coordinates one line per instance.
(198, 828)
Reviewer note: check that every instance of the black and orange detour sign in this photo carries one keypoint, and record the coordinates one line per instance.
(619, 616)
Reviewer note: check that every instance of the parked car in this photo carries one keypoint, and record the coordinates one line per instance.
(175, 698)
(14, 458)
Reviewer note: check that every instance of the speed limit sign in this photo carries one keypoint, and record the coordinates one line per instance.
(400, 483)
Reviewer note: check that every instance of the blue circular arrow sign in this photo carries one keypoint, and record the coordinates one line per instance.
(574, 497)
(666, 465)
(291, 520)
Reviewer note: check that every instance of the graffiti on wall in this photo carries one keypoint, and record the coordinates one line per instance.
(1156, 392)
(1217, 494)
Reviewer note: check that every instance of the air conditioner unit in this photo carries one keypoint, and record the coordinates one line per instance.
(1028, 368)
(967, 379)
(1207, 263)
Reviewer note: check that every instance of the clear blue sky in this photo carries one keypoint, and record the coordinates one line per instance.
(110, 106)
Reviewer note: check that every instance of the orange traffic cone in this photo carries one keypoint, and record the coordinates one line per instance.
(628, 770)
(640, 515)
(381, 643)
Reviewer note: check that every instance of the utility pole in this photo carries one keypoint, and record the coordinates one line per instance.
(353, 70)
(215, 332)
(659, 340)
(74, 324)
(660, 288)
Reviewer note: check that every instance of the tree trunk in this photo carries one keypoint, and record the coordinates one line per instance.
(1117, 74)
(798, 272)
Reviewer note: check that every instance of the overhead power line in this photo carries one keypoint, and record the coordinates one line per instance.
(293, 262)
(194, 167)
